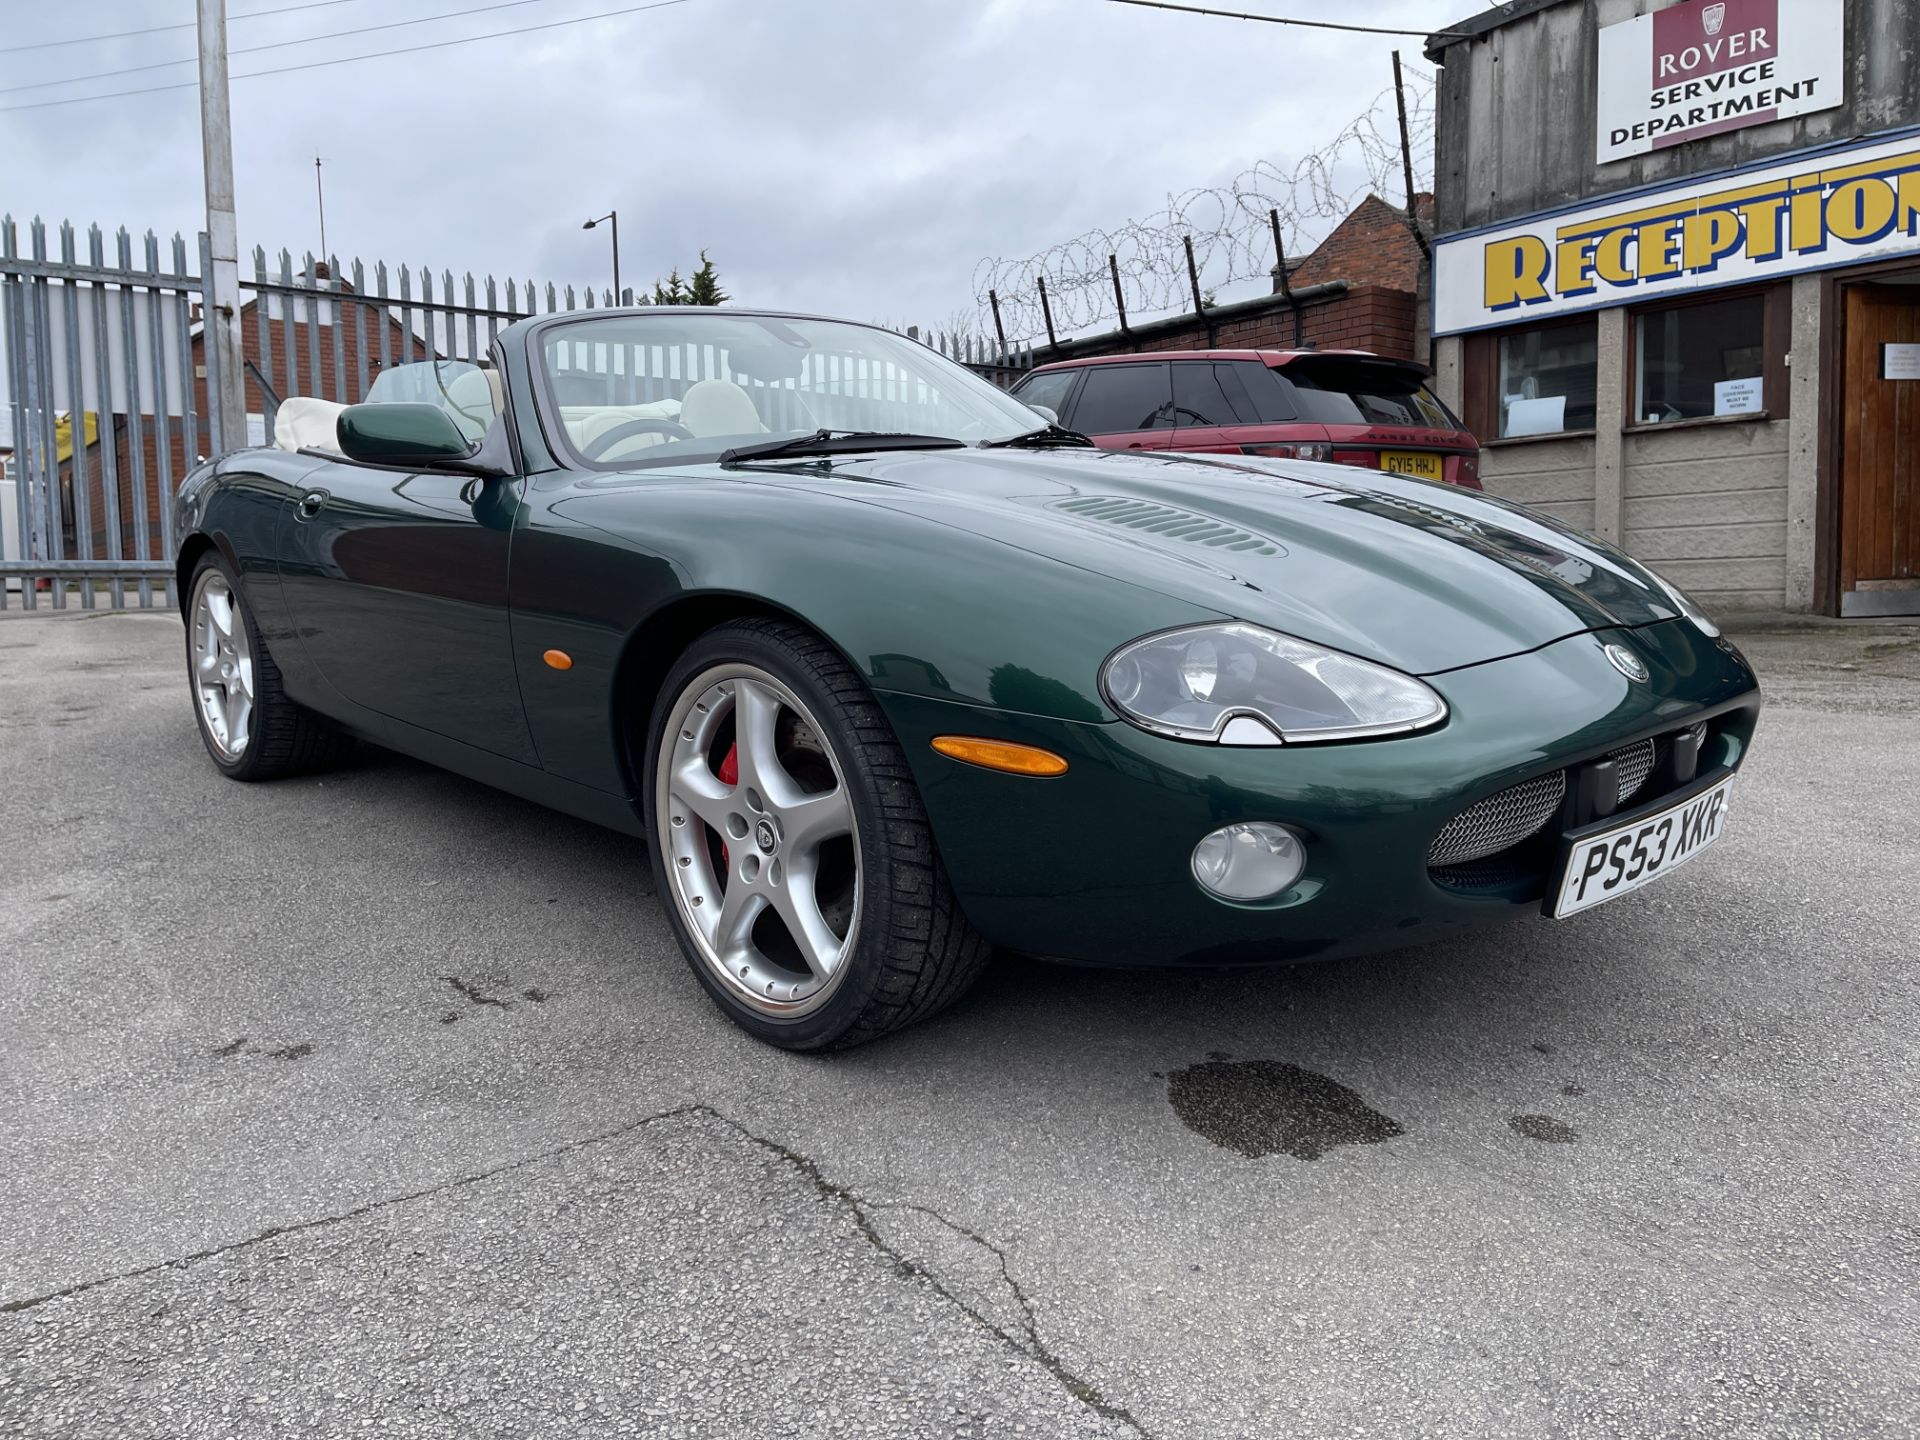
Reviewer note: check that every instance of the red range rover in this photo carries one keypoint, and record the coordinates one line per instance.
(1351, 407)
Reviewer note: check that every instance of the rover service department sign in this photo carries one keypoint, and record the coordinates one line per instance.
(1694, 70)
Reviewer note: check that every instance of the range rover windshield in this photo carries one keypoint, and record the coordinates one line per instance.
(679, 388)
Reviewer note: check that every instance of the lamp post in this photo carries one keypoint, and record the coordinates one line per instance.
(614, 217)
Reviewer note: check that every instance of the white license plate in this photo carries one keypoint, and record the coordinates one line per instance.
(1616, 861)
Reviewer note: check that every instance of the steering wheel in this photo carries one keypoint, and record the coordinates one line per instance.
(607, 439)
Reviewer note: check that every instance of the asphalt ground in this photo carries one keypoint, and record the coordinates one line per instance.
(379, 1103)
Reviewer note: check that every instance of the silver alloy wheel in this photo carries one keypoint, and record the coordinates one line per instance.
(222, 660)
(781, 838)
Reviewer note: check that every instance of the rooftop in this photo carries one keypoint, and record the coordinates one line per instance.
(1485, 23)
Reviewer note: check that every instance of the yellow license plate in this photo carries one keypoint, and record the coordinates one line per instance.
(1413, 462)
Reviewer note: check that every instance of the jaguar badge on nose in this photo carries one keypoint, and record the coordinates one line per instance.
(1627, 663)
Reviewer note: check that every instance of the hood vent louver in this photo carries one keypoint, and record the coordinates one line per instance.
(1168, 523)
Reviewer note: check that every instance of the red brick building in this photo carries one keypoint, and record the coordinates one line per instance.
(1361, 289)
(311, 343)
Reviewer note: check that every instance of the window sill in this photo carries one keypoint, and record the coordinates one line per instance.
(1697, 421)
(1536, 439)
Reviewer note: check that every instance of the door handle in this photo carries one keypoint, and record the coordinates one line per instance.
(310, 504)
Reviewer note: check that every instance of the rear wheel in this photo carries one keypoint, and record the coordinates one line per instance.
(790, 846)
(250, 728)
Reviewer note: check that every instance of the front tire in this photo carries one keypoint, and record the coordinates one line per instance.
(790, 847)
(252, 731)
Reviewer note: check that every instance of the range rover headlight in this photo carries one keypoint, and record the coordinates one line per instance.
(1237, 684)
(1686, 607)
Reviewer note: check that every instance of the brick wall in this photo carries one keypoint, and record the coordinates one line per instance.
(1365, 317)
(1372, 246)
(275, 331)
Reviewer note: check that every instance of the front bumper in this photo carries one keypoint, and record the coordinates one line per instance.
(1094, 866)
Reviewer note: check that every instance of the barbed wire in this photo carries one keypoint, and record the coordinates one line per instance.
(1229, 225)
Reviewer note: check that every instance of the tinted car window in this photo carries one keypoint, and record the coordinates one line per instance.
(1200, 396)
(1124, 397)
(1270, 397)
(1049, 390)
(1339, 391)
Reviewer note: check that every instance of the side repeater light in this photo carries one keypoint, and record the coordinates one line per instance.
(1001, 755)
(558, 659)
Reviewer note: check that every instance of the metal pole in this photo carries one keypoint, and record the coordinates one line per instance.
(1406, 159)
(1046, 310)
(998, 328)
(320, 194)
(1286, 284)
(226, 391)
(1119, 300)
(616, 258)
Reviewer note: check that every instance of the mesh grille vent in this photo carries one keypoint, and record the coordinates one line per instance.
(1499, 820)
(1167, 521)
(1632, 763)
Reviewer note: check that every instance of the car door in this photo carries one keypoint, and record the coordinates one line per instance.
(1126, 407)
(396, 584)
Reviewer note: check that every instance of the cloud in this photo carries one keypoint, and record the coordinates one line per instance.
(855, 157)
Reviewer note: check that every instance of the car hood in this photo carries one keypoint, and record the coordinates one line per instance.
(1421, 576)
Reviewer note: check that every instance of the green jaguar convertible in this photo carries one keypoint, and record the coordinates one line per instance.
(890, 670)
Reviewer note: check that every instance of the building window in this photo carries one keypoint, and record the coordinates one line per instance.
(1545, 379)
(1696, 361)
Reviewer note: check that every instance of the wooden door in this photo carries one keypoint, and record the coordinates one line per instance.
(1879, 456)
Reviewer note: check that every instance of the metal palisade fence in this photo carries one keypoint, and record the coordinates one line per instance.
(111, 405)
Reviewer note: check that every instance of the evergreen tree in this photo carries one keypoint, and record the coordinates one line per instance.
(674, 292)
(704, 287)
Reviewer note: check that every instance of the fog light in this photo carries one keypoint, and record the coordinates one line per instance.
(1254, 860)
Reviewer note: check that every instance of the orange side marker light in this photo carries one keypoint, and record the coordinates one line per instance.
(1001, 755)
(558, 659)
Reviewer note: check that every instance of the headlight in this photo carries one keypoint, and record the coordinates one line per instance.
(1237, 684)
(1686, 607)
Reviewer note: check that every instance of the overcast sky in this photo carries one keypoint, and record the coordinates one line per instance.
(856, 157)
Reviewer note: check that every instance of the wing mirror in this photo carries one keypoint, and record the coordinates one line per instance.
(409, 436)
(1045, 412)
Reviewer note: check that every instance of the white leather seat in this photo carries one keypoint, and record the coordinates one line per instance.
(719, 407)
(303, 423)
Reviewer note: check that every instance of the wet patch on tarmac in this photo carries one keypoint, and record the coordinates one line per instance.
(1544, 1128)
(1267, 1107)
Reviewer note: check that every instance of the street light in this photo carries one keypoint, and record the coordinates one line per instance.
(614, 216)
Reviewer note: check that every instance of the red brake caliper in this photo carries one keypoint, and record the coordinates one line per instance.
(729, 775)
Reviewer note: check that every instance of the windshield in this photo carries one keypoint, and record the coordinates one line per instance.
(676, 388)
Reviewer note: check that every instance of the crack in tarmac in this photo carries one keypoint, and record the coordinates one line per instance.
(860, 1210)
(1033, 1347)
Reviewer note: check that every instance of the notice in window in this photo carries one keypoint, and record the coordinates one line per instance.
(1899, 362)
(1545, 416)
(1736, 397)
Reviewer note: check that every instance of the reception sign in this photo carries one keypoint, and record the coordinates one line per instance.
(1695, 70)
(1760, 223)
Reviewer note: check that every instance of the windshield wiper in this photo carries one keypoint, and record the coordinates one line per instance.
(836, 442)
(1047, 437)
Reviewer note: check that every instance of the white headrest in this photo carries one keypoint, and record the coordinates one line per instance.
(303, 423)
(478, 393)
(719, 407)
